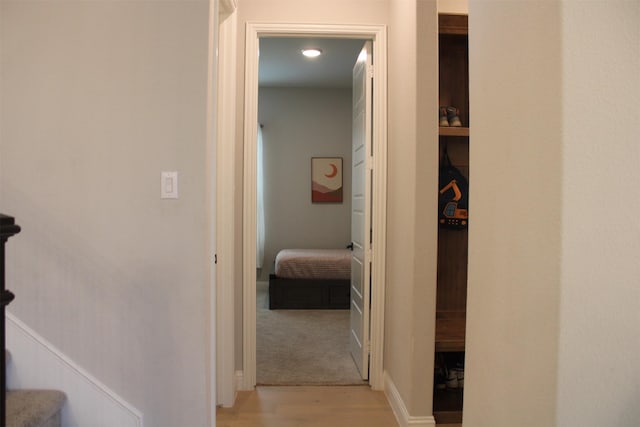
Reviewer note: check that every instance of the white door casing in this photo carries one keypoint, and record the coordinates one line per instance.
(361, 210)
(378, 35)
(224, 292)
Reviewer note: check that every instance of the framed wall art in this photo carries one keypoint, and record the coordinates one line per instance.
(326, 179)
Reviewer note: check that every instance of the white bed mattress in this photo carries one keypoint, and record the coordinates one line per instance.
(313, 264)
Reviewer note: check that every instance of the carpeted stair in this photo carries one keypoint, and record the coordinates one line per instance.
(23, 408)
(34, 408)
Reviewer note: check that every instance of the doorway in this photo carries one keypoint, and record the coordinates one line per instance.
(378, 176)
(305, 111)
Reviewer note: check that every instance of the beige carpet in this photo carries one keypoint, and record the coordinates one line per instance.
(303, 347)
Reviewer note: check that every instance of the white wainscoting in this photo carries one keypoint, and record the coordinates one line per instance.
(400, 409)
(35, 363)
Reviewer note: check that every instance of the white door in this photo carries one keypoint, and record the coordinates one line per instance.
(361, 210)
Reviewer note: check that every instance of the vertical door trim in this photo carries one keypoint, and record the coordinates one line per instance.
(212, 195)
(249, 231)
(378, 34)
(224, 292)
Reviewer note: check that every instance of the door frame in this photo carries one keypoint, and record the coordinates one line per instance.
(224, 327)
(378, 35)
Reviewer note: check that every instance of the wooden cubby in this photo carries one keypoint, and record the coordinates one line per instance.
(452, 244)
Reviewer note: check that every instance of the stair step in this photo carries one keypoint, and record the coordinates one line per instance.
(34, 408)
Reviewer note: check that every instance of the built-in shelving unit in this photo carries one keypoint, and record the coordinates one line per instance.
(452, 244)
(454, 131)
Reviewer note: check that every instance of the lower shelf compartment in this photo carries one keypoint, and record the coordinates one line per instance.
(447, 406)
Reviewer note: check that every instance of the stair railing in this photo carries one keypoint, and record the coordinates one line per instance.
(8, 228)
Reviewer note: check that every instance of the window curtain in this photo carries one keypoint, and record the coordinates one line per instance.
(260, 203)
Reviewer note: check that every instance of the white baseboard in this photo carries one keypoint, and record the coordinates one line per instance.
(239, 379)
(240, 382)
(400, 409)
(36, 363)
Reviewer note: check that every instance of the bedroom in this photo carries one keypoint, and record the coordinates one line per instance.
(303, 116)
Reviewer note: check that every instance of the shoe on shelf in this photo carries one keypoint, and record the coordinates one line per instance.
(452, 379)
(453, 117)
(444, 122)
(460, 375)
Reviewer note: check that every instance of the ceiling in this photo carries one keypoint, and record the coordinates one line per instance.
(282, 64)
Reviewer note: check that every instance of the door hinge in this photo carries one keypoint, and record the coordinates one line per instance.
(215, 258)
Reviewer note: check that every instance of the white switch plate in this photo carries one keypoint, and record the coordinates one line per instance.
(169, 185)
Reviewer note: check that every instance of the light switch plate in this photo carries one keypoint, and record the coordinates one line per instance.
(169, 185)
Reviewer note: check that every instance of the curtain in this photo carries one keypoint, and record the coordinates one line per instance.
(260, 203)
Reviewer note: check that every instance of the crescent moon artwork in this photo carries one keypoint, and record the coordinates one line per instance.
(334, 171)
(326, 180)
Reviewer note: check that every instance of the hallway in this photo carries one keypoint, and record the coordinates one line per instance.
(310, 406)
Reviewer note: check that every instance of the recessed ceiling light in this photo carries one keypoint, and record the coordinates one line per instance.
(311, 53)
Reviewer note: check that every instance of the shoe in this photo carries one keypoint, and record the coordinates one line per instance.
(440, 372)
(452, 379)
(453, 117)
(460, 375)
(444, 122)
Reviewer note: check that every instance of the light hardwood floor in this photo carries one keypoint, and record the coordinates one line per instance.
(309, 406)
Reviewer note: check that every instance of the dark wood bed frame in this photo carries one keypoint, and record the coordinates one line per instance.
(308, 293)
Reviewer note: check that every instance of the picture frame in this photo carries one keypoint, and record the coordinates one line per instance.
(326, 180)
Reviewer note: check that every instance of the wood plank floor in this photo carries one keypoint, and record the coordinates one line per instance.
(310, 406)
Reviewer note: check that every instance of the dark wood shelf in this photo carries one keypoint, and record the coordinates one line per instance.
(451, 297)
(453, 24)
(454, 131)
(450, 331)
(447, 406)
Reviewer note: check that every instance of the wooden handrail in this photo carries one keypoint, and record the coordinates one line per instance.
(8, 228)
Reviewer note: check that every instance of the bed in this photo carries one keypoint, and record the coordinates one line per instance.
(311, 279)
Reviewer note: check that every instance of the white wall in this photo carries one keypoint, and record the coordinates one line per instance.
(460, 7)
(412, 210)
(598, 369)
(552, 319)
(425, 225)
(300, 123)
(97, 99)
(515, 198)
